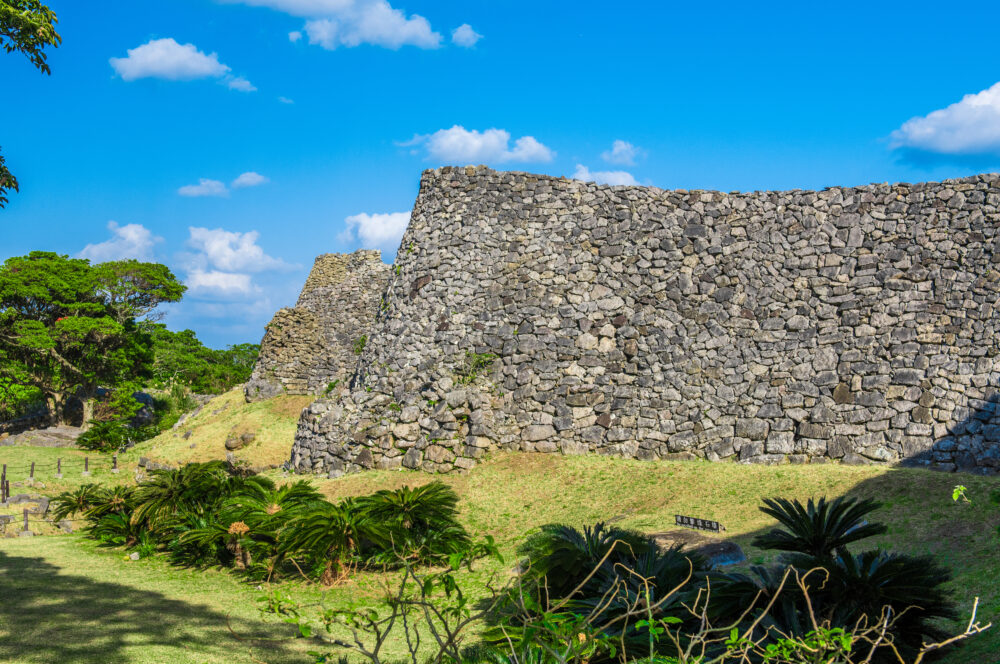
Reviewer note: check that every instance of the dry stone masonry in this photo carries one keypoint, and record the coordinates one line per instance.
(854, 324)
(310, 346)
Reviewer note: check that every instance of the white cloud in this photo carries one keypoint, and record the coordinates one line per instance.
(205, 187)
(465, 36)
(166, 59)
(222, 263)
(376, 231)
(969, 126)
(249, 179)
(604, 177)
(128, 241)
(622, 153)
(241, 84)
(229, 251)
(286, 100)
(334, 23)
(219, 284)
(461, 145)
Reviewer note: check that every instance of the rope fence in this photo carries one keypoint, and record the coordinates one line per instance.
(33, 470)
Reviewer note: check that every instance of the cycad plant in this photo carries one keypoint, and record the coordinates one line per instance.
(845, 590)
(73, 502)
(817, 529)
(615, 576)
(246, 526)
(865, 585)
(324, 537)
(418, 524)
(560, 557)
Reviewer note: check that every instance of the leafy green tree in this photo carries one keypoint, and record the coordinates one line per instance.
(181, 358)
(26, 26)
(67, 327)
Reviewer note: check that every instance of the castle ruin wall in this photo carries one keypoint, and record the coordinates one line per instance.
(856, 324)
(310, 346)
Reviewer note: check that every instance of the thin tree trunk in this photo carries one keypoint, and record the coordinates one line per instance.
(88, 412)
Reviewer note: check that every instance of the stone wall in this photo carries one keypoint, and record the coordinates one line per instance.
(311, 345)
(855, 324)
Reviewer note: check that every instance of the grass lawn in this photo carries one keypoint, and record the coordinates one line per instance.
(76, 603)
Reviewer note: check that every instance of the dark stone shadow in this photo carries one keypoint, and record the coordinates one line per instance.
(49, 616)
(972, 444)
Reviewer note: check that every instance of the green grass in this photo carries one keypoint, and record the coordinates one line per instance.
(273, 422)
(507, 497)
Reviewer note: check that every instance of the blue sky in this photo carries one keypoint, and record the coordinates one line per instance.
(235, 140)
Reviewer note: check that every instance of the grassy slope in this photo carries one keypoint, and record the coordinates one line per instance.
(273, 422)
(159, 614)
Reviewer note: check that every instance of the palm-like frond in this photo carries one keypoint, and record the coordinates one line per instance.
(114, 500)
(817, 529)
(564, 556)
(68, 503)
(861, 587)
(419, 524)
(324, 533)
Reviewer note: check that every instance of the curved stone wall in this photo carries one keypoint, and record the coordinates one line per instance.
(856, 324)
(311, 345)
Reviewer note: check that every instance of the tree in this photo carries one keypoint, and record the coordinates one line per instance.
(26, 26)
(68, 327)
(180, 358)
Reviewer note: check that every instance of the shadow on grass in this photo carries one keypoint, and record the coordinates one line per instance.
(47, 617)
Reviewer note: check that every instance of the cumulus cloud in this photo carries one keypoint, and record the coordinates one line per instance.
(465, 36)
(128, 241)
(230, 251)
(205, 187)
(461, 145)
(622, 153)
(249, 179)
(169, 60)
(376, 231)
(165, 58)
(214, 283)
(967, 127)
(349, 23)
(286, 100)
(603, 177)
(221, 265)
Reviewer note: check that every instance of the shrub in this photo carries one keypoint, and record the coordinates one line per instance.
(817, 529)
(418, 524)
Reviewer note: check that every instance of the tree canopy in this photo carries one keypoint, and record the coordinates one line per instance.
(68, 327)
(179, 357)
(26, 26)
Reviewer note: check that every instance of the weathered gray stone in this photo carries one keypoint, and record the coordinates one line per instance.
(641, 322)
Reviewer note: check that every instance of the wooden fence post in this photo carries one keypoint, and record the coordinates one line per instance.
(86, 466)
(114, 463)
(25, 532)
(59, 469)
(31, 475)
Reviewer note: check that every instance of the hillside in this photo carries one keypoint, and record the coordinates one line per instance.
(202, 437)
